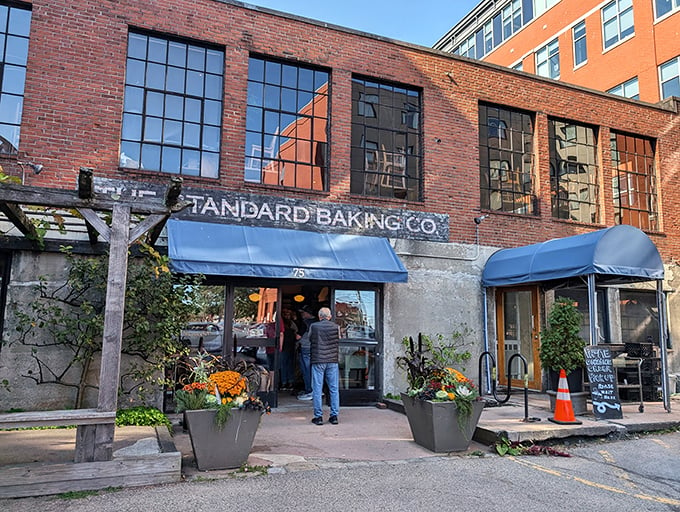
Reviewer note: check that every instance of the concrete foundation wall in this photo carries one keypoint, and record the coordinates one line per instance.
(443, 295)
(17, 364)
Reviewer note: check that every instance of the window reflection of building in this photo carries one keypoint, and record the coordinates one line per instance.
(286, 125)
(355, 313)
(634, 182)
(386, 140)
(506, 160)
(573, 171)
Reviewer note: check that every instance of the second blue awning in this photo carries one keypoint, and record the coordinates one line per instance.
(234, 250)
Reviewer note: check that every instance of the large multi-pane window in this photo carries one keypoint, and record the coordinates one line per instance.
(511, 18)
(286, 124)
(15, 26)
(580, 47)
(172, 116)
(548, 60)
(506, 156)
(573, 171)
(634, 182)
(386, 140)
(628, 89)
(617, 21)
(663, 7)
(669, 75)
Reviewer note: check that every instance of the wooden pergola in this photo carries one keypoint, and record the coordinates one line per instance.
(94, 438)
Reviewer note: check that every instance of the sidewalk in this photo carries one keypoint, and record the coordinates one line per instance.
(288, 441)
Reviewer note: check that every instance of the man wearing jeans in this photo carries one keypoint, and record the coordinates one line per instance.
(324, 337)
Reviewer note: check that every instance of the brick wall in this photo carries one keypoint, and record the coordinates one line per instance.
(74, 95)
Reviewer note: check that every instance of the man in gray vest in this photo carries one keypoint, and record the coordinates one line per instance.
(324, 337)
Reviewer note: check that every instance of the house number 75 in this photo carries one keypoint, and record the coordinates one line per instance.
(299, 273)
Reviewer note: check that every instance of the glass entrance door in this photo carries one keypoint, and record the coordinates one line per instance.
(517, 324)
(255, 331)
(355, 313)
(264, 324)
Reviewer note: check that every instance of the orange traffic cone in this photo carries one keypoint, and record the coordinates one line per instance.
(564, 412)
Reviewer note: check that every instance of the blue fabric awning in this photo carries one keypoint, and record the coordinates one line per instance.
(234, 250)
(622, 251)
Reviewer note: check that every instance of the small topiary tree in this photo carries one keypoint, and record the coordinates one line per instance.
(561, 344)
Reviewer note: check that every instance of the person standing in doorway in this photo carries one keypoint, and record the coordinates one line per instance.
(308, 318)
(287, 350)
(324, 338)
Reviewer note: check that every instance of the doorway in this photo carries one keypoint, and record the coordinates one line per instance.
(518, 327)
(258, 328)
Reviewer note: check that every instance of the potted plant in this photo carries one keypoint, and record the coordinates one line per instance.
(562, 349)
(442, 405)
(220, 414)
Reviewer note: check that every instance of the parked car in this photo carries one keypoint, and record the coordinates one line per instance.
(360, 332)
(203, 335)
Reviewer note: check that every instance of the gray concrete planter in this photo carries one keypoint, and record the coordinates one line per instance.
(579, 401)
(227, 448)
(434, 425)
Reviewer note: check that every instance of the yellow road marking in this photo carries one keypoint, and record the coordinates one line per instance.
(622, 474)
(661, 443)
(590, 483)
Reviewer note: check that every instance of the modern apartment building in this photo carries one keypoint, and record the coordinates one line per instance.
(329, 167)
(625, 47)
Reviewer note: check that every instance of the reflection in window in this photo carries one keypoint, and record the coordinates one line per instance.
(548, 60)
(467, 48)
(573, 171)
(511, 18)
(669, 75)
(634, 183)
(386, 158)
(15, 27)
(287, 124)
(506, 160)
(663, 7)
(617, 22)
(172, 115)
(580, 48)
(629, 89)
(254, 326)
(355, 313)
(639, 316)
(540, 6)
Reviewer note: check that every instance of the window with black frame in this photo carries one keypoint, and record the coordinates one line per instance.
(506, 158)
(15, 27)
(172, 115)
(634, 182)
(573, 171)
(386, 140)
(287, 125)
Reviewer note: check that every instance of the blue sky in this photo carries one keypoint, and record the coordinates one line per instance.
(421, 22)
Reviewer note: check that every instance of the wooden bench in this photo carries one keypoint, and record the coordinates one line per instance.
(56, 418)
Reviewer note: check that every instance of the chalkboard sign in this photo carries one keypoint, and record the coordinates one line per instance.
(604, 391)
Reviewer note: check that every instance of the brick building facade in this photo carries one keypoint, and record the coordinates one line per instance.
(391, 140)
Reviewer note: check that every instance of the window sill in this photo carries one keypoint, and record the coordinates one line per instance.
(249, 185)
(617, 44)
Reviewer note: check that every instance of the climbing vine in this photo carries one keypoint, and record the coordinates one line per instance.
(69, 318)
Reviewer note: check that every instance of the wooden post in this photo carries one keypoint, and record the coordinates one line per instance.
(95, 442)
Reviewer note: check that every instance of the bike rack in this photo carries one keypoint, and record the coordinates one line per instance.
(509, 391)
